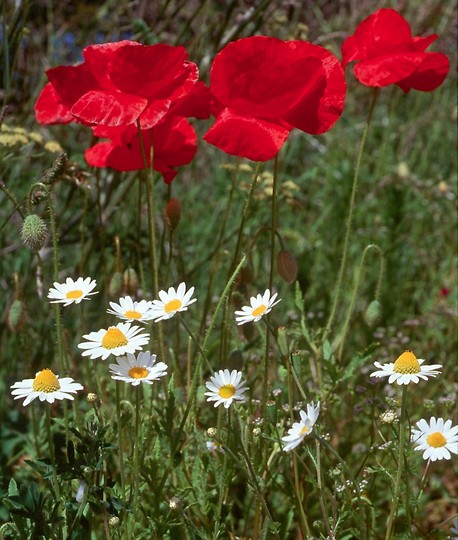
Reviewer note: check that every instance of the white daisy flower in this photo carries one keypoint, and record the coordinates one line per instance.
(46, 387)
(301, 429)
(225, 387)
(142, 369)
(437, 439)
(213, 447)
(171, 302)
(260, 306)
(129, 310)
(117, 340)
(406, 369)
(72, 292)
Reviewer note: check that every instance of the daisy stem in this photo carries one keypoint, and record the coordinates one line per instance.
(194, 339)
(51, 453)
(349, 221)
(397, 486)
(136, 452)
(120, 450)
(319, 478)
(421, 489)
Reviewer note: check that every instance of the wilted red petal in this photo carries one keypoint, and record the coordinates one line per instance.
(108, 108)
(429, 75)
(258, 76)
(243, 136)
(71, 82)
(321, 101)
(389, 69)
(151, 71)
(48, 108)
(383, 32)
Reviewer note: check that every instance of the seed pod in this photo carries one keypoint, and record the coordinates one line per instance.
(115, 287)
(131, 281)
(58, 168)
(287, 266)
(34, 232)
(373, 313)
(172, 213)
(16, 315)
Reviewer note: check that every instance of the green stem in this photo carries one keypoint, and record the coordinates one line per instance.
(121, 454)
(52, 454)
(195, 341)
(397, 486)
(136, 453)
(349, 221)
(320, 488)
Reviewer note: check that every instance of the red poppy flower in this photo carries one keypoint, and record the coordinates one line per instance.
(173, 140)
(49, 109)
(120, 83)
(388, 54)
(264, 87)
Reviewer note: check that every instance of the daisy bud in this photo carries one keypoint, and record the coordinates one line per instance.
(91, 397)
(443, 187)
(403, 170)
(34, 232)
(211, 432)
(388, 417)
(272, 411)
(373, 313)
(16, 315)
(115, 287)
(88, 470)
(287, 266)
(172, 213)
(256, 432)
(113, 521)
(131, 282)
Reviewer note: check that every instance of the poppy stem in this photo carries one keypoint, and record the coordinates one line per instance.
(348, 224)
(397, 486)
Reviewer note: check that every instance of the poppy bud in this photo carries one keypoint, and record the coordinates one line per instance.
(172, 213)
(131, 282)
(287, 266)
(34, 232)
(16, 315)
(115, 287)
(58, 168)
(373, 313)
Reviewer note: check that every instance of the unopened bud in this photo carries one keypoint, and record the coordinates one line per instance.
(388, 417)
(373, 313)
(256, 432)
(113, 521)
(115, 287)
(172, 213)
(287, 266)
(211, 432)
(91, 397)
(131, 281)
(16, 315)
(58, 168)
(403, 170)
(175, 503)
(282, 340)
(34, 232)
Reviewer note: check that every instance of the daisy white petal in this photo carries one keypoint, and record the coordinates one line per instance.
(225, 387)
(436, 438)
(301, 429)
(46, 386)
(406, 369)
(259, 306)
(72, 292)
(116, 340)
(171, 302)
(136, 370)
(130, 310)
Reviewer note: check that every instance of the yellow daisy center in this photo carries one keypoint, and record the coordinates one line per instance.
(226, 391)
(305, 429)
(138, 372)
(114, 338)
(46, 381)
(436, 440)
(132, 314)
(259, 310)
(407, 363)
(173, 305)
(74, 295)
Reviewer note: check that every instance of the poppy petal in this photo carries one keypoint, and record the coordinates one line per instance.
(243, 136)
(49, 109)
(388, 69)
(429, 75)
(108, 108)
(71, 82)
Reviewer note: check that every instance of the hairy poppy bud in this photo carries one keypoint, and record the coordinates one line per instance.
(131, 281)
(287, 266)
(34, 232)
(373, 313)
(172, 213)
(16, 315)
